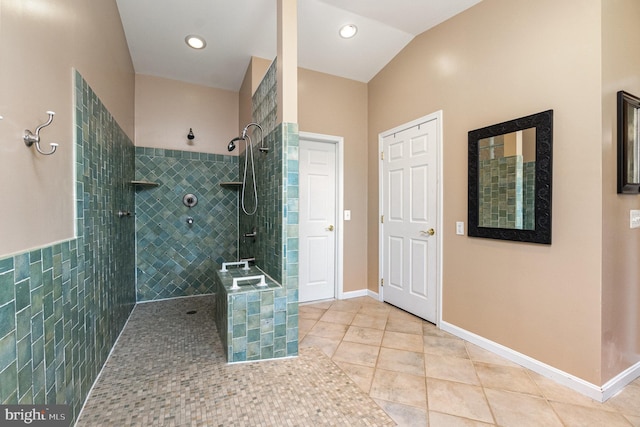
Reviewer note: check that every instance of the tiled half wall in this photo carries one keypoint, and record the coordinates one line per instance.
(63, 306)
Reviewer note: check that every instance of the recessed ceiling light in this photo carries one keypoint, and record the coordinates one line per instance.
(195, 42)
(348, 31)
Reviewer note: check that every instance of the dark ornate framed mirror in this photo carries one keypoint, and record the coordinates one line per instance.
(628, 143)
(510, 174)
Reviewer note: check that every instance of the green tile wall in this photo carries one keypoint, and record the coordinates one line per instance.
(251, 321)
(175, 259)
(63, 306)
(275, 247)
(276, 221)
(501, 192)
(529, 197)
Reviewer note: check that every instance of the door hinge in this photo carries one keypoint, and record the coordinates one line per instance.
(381, 282)
(382, 155)
(382, 219)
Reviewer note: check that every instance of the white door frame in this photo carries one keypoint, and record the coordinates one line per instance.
(438, 116)
(338, 141)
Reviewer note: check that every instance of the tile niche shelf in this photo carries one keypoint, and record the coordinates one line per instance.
(231, 184)
(144, 184)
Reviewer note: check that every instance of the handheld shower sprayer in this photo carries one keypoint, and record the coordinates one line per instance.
(249, 153)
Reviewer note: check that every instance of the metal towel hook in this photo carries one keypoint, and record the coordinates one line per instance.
(31, 138)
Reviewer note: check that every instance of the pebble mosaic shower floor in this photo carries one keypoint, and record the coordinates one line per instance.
(169, 369)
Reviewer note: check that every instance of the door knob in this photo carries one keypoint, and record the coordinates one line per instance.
(330, 228)
(430, 232)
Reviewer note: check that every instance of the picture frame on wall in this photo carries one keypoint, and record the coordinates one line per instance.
(628, 143)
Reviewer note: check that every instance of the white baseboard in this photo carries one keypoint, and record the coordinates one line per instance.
(617, 383)
(359, 293)
(353, 294)
(598, 393)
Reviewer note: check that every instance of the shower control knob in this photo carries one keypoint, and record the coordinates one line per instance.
(189, 220)
(190, 200)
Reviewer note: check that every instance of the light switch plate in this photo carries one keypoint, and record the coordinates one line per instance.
(460, 228)
(634, 218)
(347, 215)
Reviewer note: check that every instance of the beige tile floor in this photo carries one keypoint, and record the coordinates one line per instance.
(422, 376)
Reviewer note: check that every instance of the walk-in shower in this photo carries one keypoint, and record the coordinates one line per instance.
(249, 153)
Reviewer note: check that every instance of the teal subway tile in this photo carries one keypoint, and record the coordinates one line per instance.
(292, 256)
(7, 318)
(292, 218)
(240, 330)
(240, 356)
(39, 397)
(22, 268)
(23, 322)
(35, 275)
(266, 298)
(35, 256)
(23, 294)
(49, 328)
(50, 352)
(292, 347)
(27, 398)
(280, 318)
(239, 302)
(280, 304)
(266, 340)
(38, 383)
(25, 379)
(253, 322)
(24, 351)
(8, 383)
(292, 326)
(266, 352)
(7, 350)
(253, 350)
(253, 335)
(239, 344)
(6, 265)
(280, 329)
(266, 325)
(266, 312)
(37, 296)
(254, 306)
(37, 351)
(6, 287)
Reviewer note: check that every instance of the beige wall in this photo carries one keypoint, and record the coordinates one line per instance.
(621, 245)
(498, 61)
(336, 106)
(166, 110)
(41, 42)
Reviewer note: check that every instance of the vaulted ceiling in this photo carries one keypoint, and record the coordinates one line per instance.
(235, 30)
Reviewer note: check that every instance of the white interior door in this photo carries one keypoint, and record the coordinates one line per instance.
(317, 220)
(410, 194)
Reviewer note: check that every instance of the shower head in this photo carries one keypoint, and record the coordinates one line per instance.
(232, 144)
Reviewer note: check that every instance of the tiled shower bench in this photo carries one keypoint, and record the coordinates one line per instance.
(251, 317)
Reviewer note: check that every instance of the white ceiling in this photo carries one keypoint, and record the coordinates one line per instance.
(235, 30)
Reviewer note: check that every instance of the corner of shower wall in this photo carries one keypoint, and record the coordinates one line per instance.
(276, 220)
